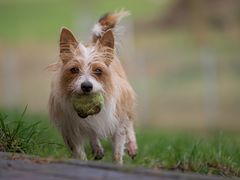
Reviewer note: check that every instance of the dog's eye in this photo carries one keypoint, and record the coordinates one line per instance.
(98, 71)
(74, 70)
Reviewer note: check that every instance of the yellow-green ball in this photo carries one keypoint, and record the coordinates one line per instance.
(87, 104)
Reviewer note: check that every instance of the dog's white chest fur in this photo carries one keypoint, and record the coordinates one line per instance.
(102, 124)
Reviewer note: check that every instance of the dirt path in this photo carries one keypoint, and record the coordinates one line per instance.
(26, 168)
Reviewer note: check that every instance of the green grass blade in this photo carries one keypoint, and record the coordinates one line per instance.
(23, 113)
(19, 123)
(28, 127)
(2, 123)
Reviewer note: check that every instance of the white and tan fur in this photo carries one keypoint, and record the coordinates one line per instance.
(97, 63)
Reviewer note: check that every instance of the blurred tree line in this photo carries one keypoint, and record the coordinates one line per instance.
(201, 15)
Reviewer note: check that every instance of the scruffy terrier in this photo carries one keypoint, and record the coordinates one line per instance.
(90, 68)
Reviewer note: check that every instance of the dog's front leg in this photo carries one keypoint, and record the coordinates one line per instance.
(79, 152)
(118, 143)
(97, 148)
(77, 149)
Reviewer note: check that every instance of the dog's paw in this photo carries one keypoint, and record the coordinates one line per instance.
(132, 149)
(98, 153)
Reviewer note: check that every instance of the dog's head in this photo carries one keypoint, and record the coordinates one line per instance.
(86, 68)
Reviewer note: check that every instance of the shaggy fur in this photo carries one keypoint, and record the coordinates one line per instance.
(97, 63)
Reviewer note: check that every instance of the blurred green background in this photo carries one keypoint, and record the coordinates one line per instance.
(182, 56)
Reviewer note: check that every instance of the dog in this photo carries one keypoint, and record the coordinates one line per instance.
(90, 68)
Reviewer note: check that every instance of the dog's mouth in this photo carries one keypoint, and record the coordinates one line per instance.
(82, 116)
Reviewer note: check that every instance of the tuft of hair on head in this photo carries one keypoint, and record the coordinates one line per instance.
(107, 22)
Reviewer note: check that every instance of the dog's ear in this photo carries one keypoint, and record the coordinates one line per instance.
(107, 45)
(107, 39)
(68, 45)
(67, 41)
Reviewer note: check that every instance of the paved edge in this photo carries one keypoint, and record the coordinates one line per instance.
(112, 167)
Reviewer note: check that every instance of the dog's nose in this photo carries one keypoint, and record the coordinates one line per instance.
(86, 86)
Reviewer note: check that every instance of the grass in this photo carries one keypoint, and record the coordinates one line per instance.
(214, 153)
(22, 134)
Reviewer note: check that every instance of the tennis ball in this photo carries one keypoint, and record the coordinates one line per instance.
(87, 104)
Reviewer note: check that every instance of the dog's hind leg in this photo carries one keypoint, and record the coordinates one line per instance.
(131, 140)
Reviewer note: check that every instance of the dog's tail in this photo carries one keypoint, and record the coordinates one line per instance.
(106, 22)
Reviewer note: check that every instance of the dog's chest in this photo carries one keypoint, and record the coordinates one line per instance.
(102, 124)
